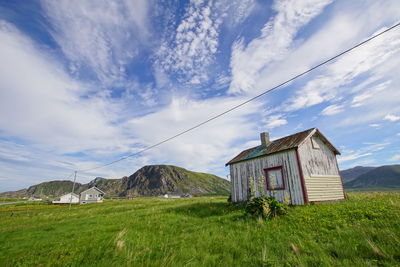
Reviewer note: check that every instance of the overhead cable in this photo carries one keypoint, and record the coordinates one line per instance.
(247, 101)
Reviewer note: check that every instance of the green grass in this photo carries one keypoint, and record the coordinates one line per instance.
(363, 231)
(5, 200)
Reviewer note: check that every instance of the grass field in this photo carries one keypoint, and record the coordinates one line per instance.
(5, 200)
(363, 231)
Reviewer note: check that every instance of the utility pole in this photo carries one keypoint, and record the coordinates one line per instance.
(73, 187)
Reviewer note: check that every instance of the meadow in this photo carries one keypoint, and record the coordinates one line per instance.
(205, 231)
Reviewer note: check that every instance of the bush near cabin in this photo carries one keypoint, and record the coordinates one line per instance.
(265, 207)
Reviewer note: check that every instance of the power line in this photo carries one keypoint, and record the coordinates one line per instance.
(70, 176)
(247, 101)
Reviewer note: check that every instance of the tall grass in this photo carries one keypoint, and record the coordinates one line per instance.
(363, 231)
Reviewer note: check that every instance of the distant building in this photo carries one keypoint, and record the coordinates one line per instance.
(34, 199)
(67, 198)
(169, 196)
(297, 169)
(91, 195)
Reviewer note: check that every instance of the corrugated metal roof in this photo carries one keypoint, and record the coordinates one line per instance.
(288, 142)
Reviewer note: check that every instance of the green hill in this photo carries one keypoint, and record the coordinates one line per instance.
(160, 179)
(353, 173)
(381, 177)
(150, 180)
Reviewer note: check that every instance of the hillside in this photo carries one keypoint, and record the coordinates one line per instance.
(381, 177)
(353, 173)
(159, 179)
(50, 189)
(150, 180)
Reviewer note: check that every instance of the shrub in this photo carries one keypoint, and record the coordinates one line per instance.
(265, 207)
(230, 198)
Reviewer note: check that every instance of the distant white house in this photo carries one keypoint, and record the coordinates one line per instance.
(67, 198)
(91, 195)
(34, 199)
(169, 196)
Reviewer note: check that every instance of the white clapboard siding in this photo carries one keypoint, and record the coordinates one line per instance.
(242, 172)
(320, 188)
(320, 170)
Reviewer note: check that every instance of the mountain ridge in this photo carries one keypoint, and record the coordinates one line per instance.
(150, 180)
(353, 173)
(386, 176)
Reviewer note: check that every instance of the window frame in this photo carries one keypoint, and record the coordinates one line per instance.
(280, 168)
(314, 143)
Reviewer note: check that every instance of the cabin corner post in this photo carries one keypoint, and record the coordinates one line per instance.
(341, 178)
(233, 185)
(303, 184)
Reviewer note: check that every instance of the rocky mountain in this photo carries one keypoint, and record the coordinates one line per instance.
(159, 179)
(150, 180)
(387, 176)
(352, 173)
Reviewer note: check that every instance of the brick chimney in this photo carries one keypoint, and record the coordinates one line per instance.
(265, 139)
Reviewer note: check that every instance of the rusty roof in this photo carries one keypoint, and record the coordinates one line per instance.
(281, 144)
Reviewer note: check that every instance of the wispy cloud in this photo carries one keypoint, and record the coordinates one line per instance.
(207, 147)
(352, 157)
(391, 117)
(274, 121)
(191, 49)
(368, 150)
(344, 71)
(395, 158)
(273, 44)
(332, 110)
(375, 125)
(361, 98)
(51, 111)
(99, 37)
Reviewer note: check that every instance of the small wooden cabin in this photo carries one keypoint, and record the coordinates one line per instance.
(296, 169)
(91, 195)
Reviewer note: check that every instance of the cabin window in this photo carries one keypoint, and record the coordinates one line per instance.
(274, 178)
(315, 144)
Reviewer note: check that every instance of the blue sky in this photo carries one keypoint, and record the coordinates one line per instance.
(86, 82)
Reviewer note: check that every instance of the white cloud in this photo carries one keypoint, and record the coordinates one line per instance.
(395, 158)
(194, 44)
(360, 99)
(375, 125)
(100, 35)
(332, 110)
(391, 117)
(206, 148)
(344, 71)
(368, 150)
(274, 121)
(352, 157)
(238, 10)
(45, 106)
(276, 37)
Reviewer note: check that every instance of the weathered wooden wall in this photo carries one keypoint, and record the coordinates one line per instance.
(253, 169)
(320, 170)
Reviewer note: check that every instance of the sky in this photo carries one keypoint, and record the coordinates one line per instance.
(85, 82)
